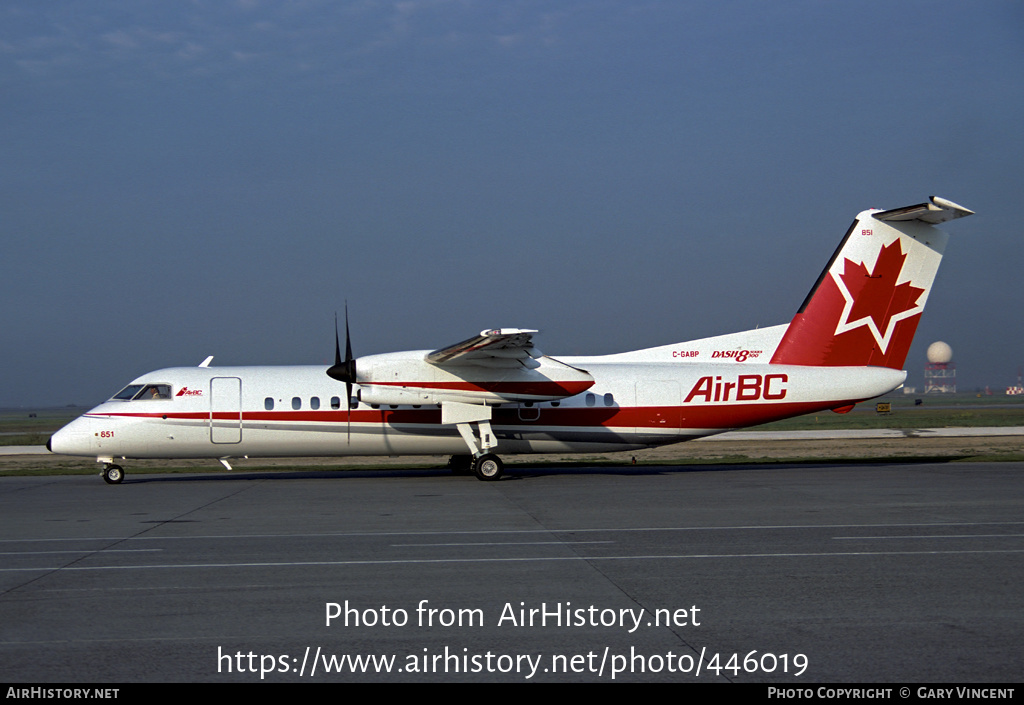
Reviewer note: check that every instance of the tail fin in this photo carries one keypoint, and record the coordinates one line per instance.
(865, 306)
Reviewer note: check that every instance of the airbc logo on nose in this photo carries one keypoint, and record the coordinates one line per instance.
(745, 388)
(186, 392)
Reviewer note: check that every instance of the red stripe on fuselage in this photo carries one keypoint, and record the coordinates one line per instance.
(707, 416)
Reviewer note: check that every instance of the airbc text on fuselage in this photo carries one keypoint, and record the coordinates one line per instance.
(741, 388)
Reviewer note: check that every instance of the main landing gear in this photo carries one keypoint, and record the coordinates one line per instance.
(485, 464)
(112, 474)
(461, 464)
(486, 467)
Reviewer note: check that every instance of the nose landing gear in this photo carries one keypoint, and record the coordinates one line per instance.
(112, 474)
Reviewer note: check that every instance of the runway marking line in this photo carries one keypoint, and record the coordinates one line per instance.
(293, 564)
(457, 532)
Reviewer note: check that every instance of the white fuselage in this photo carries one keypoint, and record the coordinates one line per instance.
(225, 412)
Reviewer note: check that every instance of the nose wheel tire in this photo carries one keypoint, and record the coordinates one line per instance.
(488, 467)
(113, 474)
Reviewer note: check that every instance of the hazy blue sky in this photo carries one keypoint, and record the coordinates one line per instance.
(183, 179)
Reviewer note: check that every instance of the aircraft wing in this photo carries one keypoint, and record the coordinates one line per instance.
(500, 347)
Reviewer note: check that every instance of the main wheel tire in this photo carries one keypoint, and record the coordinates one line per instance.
(113, 474)
(489, 467)
(461, 464)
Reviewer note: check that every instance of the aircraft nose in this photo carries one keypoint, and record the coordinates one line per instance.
(73, 439)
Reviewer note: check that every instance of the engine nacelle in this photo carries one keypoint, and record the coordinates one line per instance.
(395, 396)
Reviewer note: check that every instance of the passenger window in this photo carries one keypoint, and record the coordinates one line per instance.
(335, 403)
(296, 403)
(314, 403)
(268, 403)
(609, 400)
(591, 400)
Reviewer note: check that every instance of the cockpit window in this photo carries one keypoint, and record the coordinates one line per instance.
(156, 391)
(129, 392)
(144, 391)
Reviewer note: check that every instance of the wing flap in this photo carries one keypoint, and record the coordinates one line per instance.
(499, 347)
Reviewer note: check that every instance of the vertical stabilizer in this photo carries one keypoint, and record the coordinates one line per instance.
(865, 306)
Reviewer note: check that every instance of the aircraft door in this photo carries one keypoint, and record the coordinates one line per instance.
(225, 410)
(658, 404)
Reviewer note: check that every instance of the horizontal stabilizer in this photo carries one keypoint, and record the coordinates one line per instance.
(937, 210)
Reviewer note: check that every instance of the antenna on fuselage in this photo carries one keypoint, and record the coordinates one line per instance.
(206, 362)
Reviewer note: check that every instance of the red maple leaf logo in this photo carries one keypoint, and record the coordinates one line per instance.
(874, 299)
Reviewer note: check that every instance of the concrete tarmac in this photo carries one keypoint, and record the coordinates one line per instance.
(894, 573)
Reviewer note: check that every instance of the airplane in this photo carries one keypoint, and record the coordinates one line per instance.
(496, 393)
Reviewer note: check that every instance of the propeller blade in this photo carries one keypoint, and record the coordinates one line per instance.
(348, 413)
(350, 363)
(348, 346)
(344, 370)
